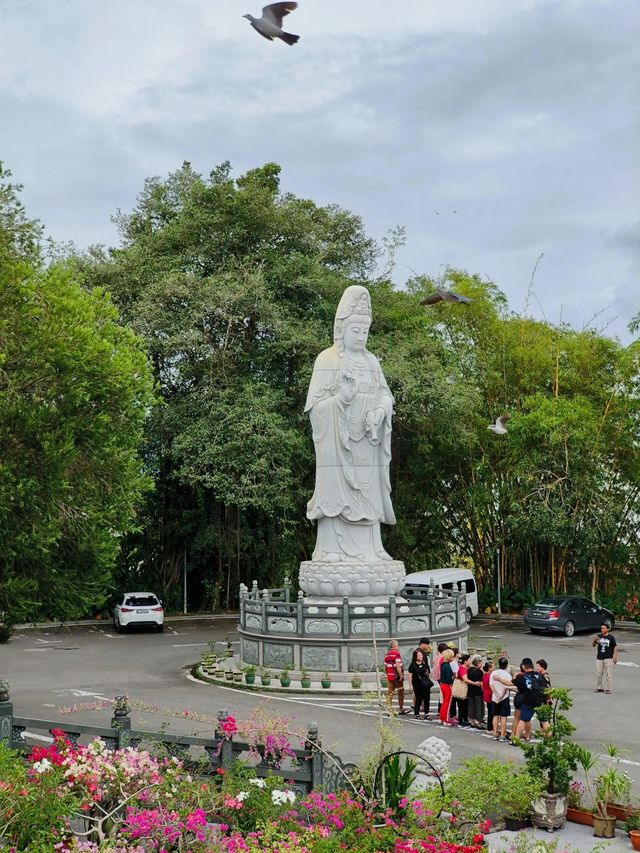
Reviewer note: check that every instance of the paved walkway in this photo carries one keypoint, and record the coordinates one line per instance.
(574, 837)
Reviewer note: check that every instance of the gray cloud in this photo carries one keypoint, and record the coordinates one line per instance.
(523, 121)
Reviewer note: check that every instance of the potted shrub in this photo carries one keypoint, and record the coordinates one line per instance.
(249, 673)
(487, 789)
(4, 690)
(576, 811)
(632, 825)
(325, 681)
(305, 680)
(610, 784)
(229, 649)
(265, 677)
(285, 678)
(356, 681)
(228, 674)
(517, 799)
(552, 758)
(620, 790)
(237, 676)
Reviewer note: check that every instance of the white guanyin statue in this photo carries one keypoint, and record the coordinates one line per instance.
(351, 407)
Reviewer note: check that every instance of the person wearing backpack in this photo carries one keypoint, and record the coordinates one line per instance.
(532, 686)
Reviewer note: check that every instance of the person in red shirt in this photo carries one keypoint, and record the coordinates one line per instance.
(395, 677)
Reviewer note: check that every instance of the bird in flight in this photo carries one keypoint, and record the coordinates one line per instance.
(442, 295)
(499, 427)
(270, 24)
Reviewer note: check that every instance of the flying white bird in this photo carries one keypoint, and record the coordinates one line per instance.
(270, 24)
(499, 427)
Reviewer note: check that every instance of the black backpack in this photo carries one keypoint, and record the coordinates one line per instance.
(534, 687)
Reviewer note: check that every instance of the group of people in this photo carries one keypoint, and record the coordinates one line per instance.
(473, 693)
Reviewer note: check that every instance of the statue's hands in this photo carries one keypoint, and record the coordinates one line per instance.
(347, 387)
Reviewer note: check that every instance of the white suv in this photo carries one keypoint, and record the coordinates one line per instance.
(138, 608)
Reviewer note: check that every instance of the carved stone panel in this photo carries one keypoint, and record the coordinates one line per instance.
(363, 626)
(278, 656)
(445, 620)
(322, 626)
(362, 659)
(251, 620)
(280, 625)
(318, 659)
(414, 625)
(250, 651)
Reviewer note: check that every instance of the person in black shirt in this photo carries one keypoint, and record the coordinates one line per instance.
(476, 702)
(531, 686)
(421, 683)
(606, 658)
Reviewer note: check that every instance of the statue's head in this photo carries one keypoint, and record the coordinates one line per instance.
(354, 310)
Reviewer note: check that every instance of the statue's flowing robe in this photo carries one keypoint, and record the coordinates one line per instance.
(352, 473)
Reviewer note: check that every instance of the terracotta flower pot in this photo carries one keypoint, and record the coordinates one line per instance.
(634, 837)
(580, 816)
(619, 812)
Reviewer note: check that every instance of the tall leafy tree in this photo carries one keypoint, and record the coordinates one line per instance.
(233, 286)
(75, 386)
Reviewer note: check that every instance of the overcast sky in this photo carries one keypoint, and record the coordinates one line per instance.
(493, 130)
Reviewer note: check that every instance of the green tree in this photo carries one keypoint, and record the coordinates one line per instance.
(74, 390)
(233, 286)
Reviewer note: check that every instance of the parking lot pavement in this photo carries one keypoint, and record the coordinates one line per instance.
(48, 669)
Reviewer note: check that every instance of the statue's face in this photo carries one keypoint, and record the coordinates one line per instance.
(355, 336)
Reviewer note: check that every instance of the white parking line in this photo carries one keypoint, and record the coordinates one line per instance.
(187, 645)
(48, 642)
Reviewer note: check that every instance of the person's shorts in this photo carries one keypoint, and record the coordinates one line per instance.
(526, 713)
(503, 708)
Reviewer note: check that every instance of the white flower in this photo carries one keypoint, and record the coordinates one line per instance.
(279, 798)
(242, 796)
(96, 747)
(42, 766)
(258, 782)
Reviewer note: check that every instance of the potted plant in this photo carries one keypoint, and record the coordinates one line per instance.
(229, 649)
(237, 676)
(325, 681)
(552, 757)
(620, 793)
(4, 690)
(517, 799)
(285, 678)
(249, 673)
(305, 680)
(356, 681)
(265, 677)
(228, 674)
(576, 811)
(632, 825)
(610, 784)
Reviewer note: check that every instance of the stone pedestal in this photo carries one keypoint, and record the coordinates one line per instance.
(355, 580)
(333, 634)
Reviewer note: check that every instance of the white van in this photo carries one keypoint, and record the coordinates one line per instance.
(417, 584)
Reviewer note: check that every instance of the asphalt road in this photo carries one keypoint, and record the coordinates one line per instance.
(61, 667)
